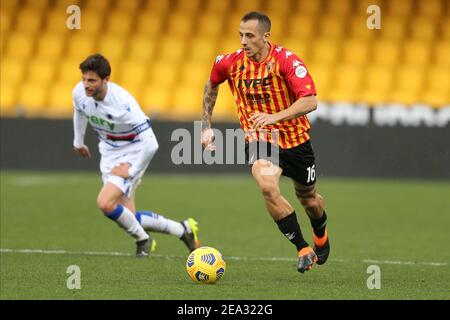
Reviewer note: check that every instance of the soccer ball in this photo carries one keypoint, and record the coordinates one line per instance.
(205, 265)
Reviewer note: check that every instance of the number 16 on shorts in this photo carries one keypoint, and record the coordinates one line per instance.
(311, 173)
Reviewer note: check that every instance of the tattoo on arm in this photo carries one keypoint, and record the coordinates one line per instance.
(209, 101)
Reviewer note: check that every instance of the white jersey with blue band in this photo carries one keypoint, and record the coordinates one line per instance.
(118, 121)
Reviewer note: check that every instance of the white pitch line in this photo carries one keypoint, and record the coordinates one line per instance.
(123, 254)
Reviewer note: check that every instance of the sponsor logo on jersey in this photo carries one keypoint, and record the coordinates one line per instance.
(100, 121)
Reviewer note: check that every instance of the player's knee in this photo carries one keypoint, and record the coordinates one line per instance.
(311, 202)
(105, 205)
(269, 190)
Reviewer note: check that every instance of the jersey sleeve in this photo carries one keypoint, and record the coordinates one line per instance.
(219, 72)
(76, 97)
(297, 75)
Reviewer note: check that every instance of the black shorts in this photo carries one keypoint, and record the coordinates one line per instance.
(297, 163)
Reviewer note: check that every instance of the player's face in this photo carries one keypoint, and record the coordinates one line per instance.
(253, 39)
(93, 84)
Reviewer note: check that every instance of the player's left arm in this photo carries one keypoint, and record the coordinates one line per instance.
(301, 84)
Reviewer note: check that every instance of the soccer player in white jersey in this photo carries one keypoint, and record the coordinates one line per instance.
(127, 145)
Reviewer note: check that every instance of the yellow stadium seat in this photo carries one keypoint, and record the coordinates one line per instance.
(431, 9)
(180, 25)
(322, 77)
(409, 81)
(362, 5)
(209, 25)
(157, 6)
(133, 72)
(8, 98)
(445, 29)
(187, 102)
(119, 23)
(33, 98)
(50, 46)
(386, 52)
(164, 73)
(376, 85)
(229, 45)
(111, 46)
(60, 103)
(347, 83)
(437, 92)
(65, 3)
(149, 23)
(232, 24)
(442, 54)
(416, 53)
(301, 27)
(358, 28)
(9, 5)
(400, 8)
(308, 8)
(423, 29)
(279, 7)
(172, 48)
(141, 48)
(332, 27)
(196, 73)
(12, 70)
(189, 7)
(393, 28)
(438, 79)
(80, 46)
(36, 5)
(340, 8)
(28, 21)
(97, 5)
(217, 8)
(19, 46)
(202, 49)
(243, 7)
(325, 51)
(278, 29)
(298, 47)
(41, 70)
(5, 22)
(91, 22)
(56, 20)
(68, 72)
(356, 52)
(128, 7)
(156, 100)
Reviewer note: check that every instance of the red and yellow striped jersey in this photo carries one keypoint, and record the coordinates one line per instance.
(269, 86)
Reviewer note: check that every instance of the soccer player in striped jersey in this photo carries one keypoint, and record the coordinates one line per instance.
(127, 144)
(274, 92)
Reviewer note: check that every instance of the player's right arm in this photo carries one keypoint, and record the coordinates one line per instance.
(209, 101)
(79, 129)
(218, 75)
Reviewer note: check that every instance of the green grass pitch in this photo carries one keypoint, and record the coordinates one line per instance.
(401, 226)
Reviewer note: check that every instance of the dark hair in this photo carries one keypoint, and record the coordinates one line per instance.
(263, 20)
(98, 64)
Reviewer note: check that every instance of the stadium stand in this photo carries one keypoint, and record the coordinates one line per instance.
(162, 50)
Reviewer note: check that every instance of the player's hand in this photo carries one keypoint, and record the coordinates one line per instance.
(121, 170)
(83, 151)
(208, 139)
(260, 120)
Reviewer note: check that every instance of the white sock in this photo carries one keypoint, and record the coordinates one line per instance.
(154, 222)
(127, 221)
